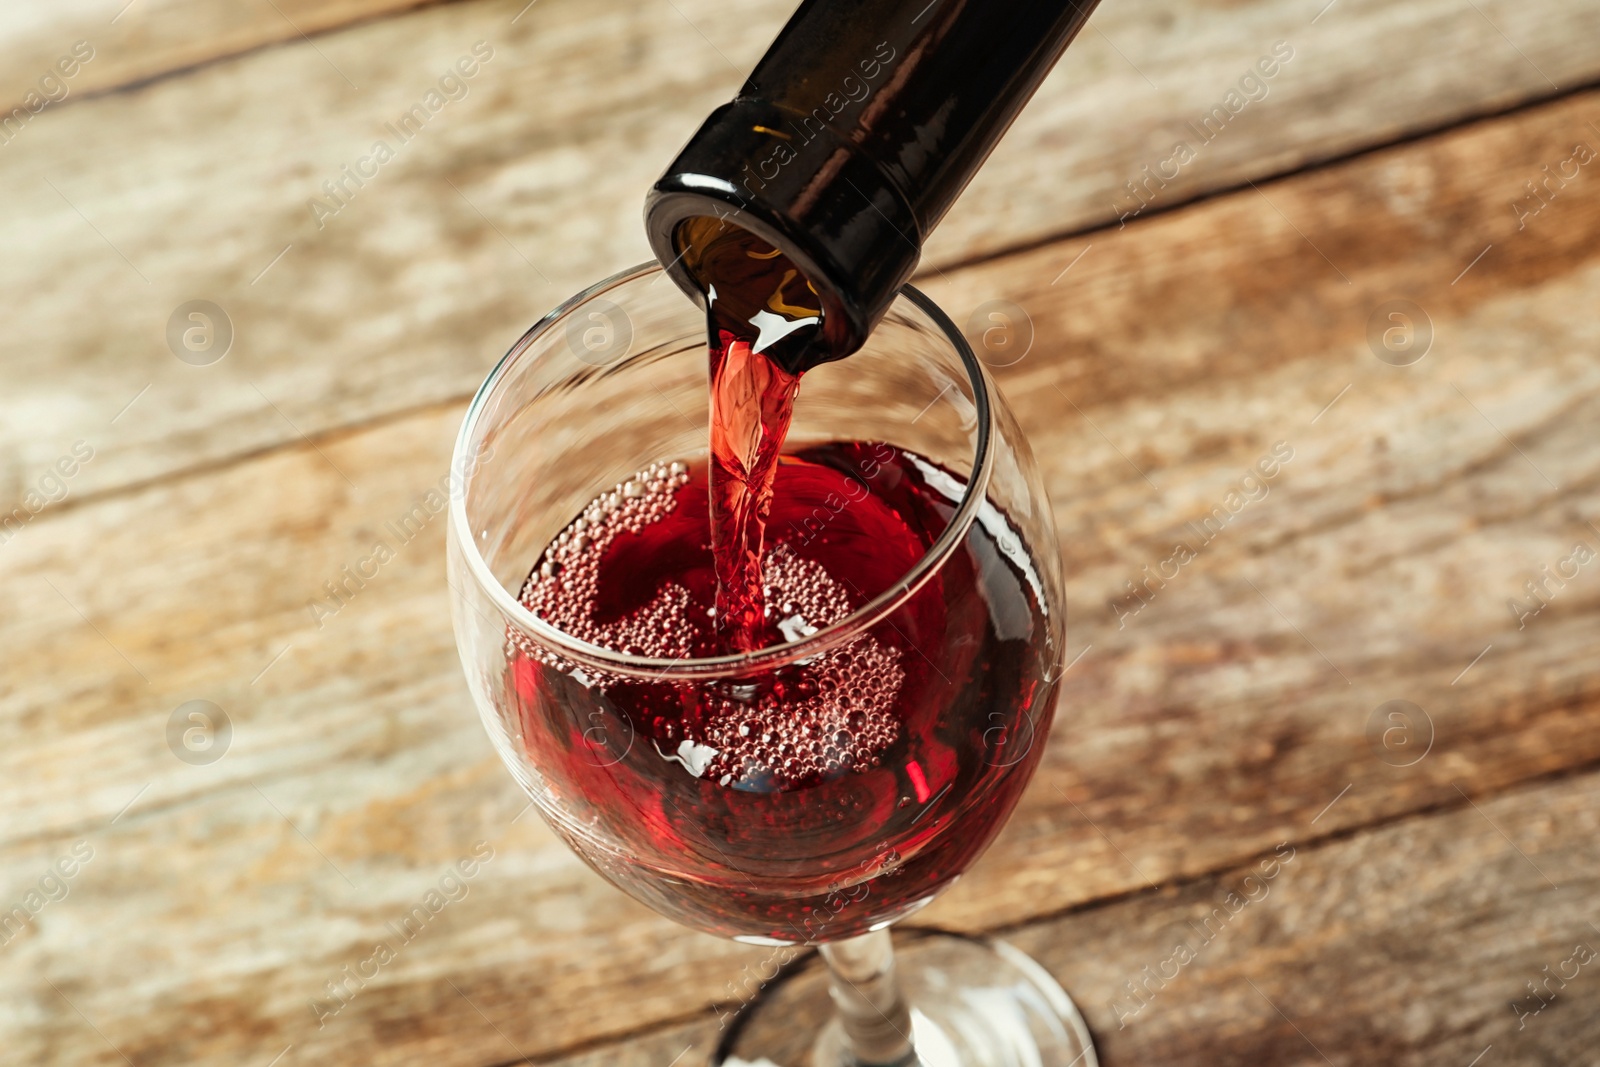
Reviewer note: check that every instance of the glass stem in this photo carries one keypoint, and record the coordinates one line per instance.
(873, 1013)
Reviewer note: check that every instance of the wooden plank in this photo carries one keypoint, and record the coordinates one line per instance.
(1205, 731)
(1406, 946)
(529, 189)
(1410, 946)
(133, 42)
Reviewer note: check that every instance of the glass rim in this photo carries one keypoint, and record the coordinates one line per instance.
(731, 664)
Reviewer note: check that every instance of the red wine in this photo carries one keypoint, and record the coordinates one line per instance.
(812, 801)
(751, 403)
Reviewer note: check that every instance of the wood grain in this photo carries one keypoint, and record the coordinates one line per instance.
(1231, 713)
(1405, 946)
(135, 42)
(123, 207)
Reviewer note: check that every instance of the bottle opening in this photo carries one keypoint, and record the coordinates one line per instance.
(754, 293)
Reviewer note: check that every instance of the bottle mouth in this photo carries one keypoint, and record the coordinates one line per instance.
(469, 444)
(753, 292)
(685, 216)
(820, 199)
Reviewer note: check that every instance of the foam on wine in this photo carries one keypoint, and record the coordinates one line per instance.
(834, 714)
(564, 588)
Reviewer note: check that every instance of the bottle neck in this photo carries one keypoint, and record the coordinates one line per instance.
(854, 135)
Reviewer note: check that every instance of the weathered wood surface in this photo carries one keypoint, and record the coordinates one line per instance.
(135, 41)
(1199, 735)
(124, 206)
(1406, 946)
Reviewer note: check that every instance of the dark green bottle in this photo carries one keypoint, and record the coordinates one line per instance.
(849, 142)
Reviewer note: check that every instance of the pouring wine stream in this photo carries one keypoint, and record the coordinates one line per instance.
(763, 311)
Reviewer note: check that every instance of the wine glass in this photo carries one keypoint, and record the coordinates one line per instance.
(609, 390)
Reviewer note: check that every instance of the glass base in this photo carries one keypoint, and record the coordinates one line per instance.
(974, 1003)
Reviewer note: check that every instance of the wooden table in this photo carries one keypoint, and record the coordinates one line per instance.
(1444, 863)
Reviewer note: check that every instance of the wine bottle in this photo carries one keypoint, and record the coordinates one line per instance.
(849, 142)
